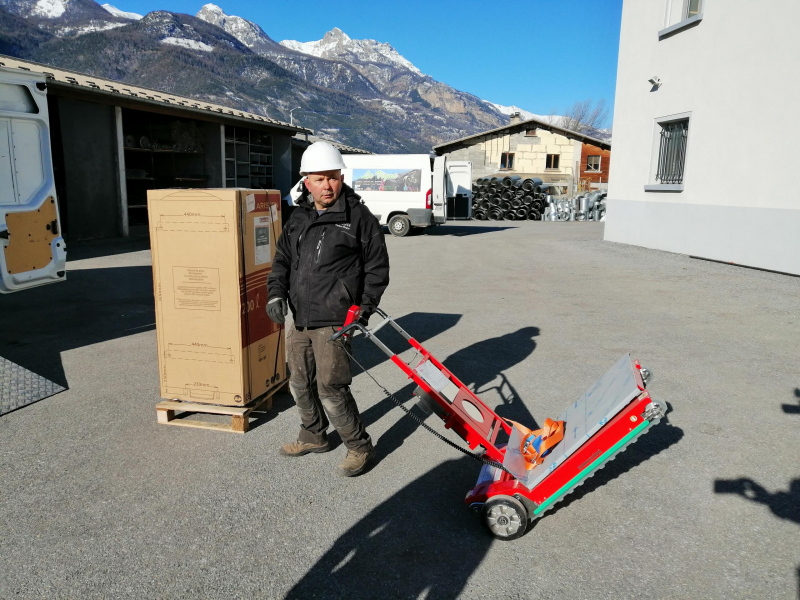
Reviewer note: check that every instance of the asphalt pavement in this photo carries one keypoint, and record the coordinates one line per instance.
(99, 501)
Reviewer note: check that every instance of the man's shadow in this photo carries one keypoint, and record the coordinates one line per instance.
(421, 326)
(480, 365)
(421, 542)
(476, 366)
(792, 409)
(784, 505)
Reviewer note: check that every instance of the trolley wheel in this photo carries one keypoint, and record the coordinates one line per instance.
(399, 225)
(505, 517)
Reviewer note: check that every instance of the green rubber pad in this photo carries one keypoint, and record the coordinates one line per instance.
(583, 474)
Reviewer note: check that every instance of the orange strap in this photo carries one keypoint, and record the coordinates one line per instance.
(552, 433)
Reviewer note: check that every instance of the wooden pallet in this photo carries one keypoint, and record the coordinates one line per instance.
(240, 415)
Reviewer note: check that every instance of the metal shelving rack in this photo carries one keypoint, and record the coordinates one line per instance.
(248, 158)
(154, 168)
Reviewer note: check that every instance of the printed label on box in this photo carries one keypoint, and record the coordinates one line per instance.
(273, 210)
(263, 250)
(251, 202)
(196, 288)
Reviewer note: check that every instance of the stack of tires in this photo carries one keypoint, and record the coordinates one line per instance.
(509, 198)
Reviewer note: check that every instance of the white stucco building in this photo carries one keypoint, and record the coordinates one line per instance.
(706, 124)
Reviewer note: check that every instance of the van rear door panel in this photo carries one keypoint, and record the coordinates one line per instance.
(33, 251)
(440, 189)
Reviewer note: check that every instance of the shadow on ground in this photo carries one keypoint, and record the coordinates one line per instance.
(91, 306)
(793, 409)
(422, 326)
(482, 363)
(463, 230)
(783, 504)
(476, 366)
(660, 437)
(421, 542)
(110, 247)
(280, 402)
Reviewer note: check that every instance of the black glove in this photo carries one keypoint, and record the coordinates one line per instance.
(277, 308)
(364, 318)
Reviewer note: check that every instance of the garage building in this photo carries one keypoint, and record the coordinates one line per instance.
(111, 142)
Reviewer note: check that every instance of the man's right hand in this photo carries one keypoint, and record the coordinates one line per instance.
(277, 309)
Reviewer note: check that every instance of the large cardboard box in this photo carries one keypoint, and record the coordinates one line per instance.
(212, 252)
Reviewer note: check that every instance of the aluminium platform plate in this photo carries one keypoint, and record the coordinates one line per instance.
(20, 387)
(582, 419)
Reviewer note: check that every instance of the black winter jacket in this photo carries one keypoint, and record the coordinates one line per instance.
(326, 263)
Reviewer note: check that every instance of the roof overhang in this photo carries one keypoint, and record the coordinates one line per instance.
(519, 126)
(306, 140)
(107, 91)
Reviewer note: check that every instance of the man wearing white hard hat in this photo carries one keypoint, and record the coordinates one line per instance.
(330, 256)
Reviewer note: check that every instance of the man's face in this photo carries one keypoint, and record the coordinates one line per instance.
(324, 187)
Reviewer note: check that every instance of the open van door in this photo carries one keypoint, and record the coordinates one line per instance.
(439, 189)
(459, 189)
(32, 251)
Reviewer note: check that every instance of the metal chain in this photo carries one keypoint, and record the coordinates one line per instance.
(481, 459)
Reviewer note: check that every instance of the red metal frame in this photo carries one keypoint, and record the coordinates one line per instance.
(484, 431)
(475, 432)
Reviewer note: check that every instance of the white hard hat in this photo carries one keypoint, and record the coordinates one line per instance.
(320, 156)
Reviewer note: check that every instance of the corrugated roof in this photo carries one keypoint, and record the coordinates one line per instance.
(568, 133)
(109, 86)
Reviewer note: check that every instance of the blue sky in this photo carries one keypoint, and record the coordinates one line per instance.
(540, 55)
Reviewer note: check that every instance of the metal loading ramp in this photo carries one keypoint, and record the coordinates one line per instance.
(20, 387)
(583, 419)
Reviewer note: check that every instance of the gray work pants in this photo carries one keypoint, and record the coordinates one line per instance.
(319, 380)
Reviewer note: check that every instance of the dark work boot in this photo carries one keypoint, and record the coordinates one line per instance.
(355, 463)
(302, 448)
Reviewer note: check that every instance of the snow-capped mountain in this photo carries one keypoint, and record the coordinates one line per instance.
(373, 73)
(64, 17)
(362, 92)
(250, 34)
(557, 120)
(121, 13)
(187, 32)
(337, 45)
(510, 110)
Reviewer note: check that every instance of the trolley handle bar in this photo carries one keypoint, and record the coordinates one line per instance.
(347, 329)
(370, 333)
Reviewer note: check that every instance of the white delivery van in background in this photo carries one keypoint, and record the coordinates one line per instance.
(32, 251)
(404, 190)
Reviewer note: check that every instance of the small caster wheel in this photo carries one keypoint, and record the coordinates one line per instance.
(505, 517)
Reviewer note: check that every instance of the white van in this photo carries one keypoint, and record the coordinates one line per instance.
(32, 251)
(404, 190)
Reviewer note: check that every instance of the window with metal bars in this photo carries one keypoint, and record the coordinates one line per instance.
(672, 151)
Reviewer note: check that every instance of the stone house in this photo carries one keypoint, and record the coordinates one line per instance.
(531, 148)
